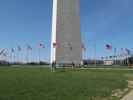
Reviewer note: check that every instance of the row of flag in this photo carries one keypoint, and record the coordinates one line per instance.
(107, 46)
(114, 57)
(10, 54)
(41, 45)
(28, 48)
(56, 45)
(124, 50)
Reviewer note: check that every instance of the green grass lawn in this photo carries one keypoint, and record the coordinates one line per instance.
(41, 84)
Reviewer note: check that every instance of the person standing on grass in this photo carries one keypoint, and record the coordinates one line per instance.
(53, 67)
(73, 65)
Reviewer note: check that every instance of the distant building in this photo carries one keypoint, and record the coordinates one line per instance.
(108, 62)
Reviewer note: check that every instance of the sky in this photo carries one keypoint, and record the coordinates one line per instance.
(28, 22)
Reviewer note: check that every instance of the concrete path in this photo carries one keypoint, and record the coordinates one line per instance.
(128, 96)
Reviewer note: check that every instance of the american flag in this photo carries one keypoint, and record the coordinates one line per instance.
(19, 48)
(54, 45)
(12, 50)
(29, 48)
(127, 51)
(2, 51)
(122, 49)
(108, 46)
(41, 45)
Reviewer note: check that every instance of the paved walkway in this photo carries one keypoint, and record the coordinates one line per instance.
(128, 96)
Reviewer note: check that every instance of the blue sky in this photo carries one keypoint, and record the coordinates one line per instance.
(25, 22)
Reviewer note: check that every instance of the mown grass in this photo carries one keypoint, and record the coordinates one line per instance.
(41, 84)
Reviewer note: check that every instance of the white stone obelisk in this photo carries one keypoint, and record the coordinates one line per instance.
(66, 38)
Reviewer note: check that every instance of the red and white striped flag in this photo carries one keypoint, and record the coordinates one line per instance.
(108, 46)
(41, 45)
(127, 51)
(29, 48)
(12, 50)
(2, 51)
(19, 48)
(54, 45)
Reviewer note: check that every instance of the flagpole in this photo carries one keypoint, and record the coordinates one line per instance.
(10, 56)
(95, 62)
(95, 54)
(128, 60)
(115, 50)
(39, 54)
(127, 56)
(41, 45)
(18, 57)
(27, 57)
(14, 57)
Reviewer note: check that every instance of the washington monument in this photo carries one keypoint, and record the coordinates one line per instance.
(66, 38)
